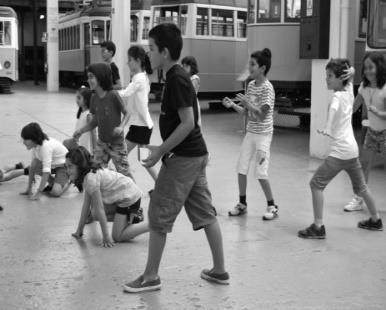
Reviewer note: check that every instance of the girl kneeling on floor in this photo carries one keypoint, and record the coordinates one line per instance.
(105, 187)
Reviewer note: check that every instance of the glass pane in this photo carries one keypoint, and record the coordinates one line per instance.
(251, 11)
(108, 30)
(222, 23)
(202, 22)
(293, 9)
(98, 32)
(241, 24)
(172, 14)
(269, 11)
(133, 28)
(376, 36)
(146, 28)
(7, 33)
(362, 29)
(183, 18)
(1, 33)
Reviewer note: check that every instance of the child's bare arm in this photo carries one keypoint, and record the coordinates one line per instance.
(92, 134)
(358, 102)
(377, 112)
(228, 103)
(83, 216)
(89, 126)
(96, 200)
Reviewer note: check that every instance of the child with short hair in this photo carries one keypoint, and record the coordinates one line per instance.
(342, 154)
(108, 51)
(258, 105)
(137, 92)
(48, 158)
(189, 63)
(182, 177)
(83, 116)
(372, 97)
(106, 109)
(102, 187)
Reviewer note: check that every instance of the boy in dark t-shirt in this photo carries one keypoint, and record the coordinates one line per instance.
(108, 52)
(182, 177)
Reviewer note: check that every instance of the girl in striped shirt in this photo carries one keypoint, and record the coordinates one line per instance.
(103, 189)
(258, 105)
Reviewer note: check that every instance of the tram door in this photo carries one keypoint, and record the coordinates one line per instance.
(87, 42)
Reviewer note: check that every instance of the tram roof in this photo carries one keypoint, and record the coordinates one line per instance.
(234, 3)
(87, 11)
(6, 11)
(140, 4)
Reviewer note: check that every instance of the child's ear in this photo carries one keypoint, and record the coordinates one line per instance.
(166, 53)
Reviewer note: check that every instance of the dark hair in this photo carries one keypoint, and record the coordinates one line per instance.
(167, 35)
(33, 132)
(380, 62)
(338, 66)
(138, 53)
(81, 158)
(86, 93)
(110, 46)
(102, 72)
(192, 62)
(263, 58)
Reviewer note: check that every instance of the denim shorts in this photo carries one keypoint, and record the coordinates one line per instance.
(375, 141)
(181, 182)
(332, 166)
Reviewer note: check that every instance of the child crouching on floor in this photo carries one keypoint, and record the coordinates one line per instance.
(106, 187)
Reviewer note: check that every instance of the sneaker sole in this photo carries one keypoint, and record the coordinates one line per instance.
(311, 237)
(214, 280)
(370, 228)
(241, 213)
(347, 210)
(129, 289)
(269, 219)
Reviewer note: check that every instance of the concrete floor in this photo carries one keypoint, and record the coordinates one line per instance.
(43, 267)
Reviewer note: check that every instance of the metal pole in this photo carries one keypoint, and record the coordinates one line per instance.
(52, 46)
(120, 25)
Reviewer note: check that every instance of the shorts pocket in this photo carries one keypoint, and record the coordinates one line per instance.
(163, 212)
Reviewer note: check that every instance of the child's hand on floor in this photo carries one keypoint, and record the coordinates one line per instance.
(107, 242)
(35, 196)
(77, 235)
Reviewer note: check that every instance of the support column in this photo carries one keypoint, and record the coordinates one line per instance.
(341, 46)
(52, 46)
(120, 23)
(35, 42)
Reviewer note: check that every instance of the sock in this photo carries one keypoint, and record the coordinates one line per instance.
(318, 223)
(19, 166)
(26, 171)
(271, 202)
(243, 199)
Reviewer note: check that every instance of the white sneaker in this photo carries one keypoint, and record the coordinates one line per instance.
(239, 209)
(271, 213)
(356, 204)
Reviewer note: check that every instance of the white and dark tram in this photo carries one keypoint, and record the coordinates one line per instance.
(214, 32)
(9, 50)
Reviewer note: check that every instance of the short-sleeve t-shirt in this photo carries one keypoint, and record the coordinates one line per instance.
(179, 93)
(114, 73)
(114, 186)
(260, 96)
(343, 145)
(108, 112)
(374, 97)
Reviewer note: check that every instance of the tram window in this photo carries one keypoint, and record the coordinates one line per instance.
(72, 38)
(146, 27)
(241, 24)
(98, 32)
(202, 22)
(376, 35)
(222, 23)
(251, 11)
(108, 30)
(134, 28)
(362, 19)
(268, 11)
(172, 14)
(77, 37)
(292, 13)
(5, 33)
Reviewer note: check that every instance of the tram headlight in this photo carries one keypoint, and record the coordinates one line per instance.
(7, 64)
